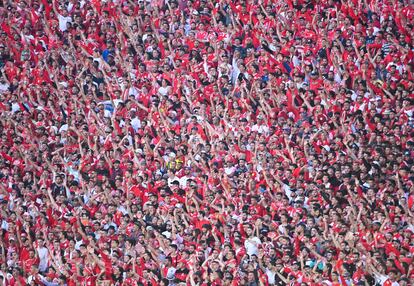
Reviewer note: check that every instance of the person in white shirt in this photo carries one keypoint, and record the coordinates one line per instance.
(135, 122)
(172, 178)
(251, 244)
(63, 18)
(43, 254)
(4, 86)
(261, 126)
(183, 180)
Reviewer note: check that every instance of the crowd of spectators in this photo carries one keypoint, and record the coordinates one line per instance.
(201, 142)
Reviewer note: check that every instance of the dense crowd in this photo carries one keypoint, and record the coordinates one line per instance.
(181, 142)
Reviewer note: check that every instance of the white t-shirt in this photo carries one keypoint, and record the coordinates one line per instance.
(15, 107)
(251, 245)
(170, 180)
(78, 244)
(183, 181)
(380, 279)
(63, 22)
(4, 87)
(282, 229)
(270, 276)
(260, 128)
(136, 123)
(44, 258)
(164, 90)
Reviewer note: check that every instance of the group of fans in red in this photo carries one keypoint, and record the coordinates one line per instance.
(201, 142)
